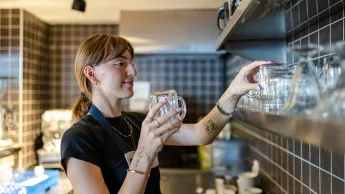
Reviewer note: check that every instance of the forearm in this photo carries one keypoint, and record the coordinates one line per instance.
(211, 125)
(135, 183)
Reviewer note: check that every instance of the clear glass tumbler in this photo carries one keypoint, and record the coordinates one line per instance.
(305, 88)
(274, 80)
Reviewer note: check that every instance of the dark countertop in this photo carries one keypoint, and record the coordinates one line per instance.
(9, 150)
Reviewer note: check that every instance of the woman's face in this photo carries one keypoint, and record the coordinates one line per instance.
(116, 76)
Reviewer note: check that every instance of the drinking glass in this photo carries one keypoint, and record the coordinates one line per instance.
(172, 104)
(333, 102)
(304, 92)
(274, 81)
(330, 74)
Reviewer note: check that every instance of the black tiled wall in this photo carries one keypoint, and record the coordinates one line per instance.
(64, 43)
(198, 79)
(36, 72)
(10, 62)
(289, 166)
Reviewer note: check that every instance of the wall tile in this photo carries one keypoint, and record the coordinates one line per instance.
(337, 186)
(325, 159)
(312, 8)
(325, 182)
(337, 31)
(338, 165)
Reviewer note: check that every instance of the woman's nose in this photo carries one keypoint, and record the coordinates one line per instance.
(131, 71)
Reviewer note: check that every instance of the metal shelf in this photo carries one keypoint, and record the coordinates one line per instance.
(249, 32)
(318, 132)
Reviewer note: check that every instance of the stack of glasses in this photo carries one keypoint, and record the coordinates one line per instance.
(304, 88)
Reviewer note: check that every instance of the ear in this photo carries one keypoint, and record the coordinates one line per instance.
(90, 74)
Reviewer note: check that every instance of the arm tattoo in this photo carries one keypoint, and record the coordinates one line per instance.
(143, 154)
(210, 126)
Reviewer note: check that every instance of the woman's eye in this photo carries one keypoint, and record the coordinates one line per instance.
(119, 64)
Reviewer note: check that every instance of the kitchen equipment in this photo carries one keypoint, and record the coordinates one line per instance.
(223, 16)
(172, 104)
(6, 114)
(252, 190)
(54, 123)
(36, 184)
(304, 92)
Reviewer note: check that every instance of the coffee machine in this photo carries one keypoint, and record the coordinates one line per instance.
(6, 114)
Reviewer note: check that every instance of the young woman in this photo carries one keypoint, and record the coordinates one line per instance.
(111, 151)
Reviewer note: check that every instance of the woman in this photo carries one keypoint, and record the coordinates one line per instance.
(110, 151)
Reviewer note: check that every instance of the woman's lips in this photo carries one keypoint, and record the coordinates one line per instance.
(128, 83)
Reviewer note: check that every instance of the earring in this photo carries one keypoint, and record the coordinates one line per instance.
(97, 82)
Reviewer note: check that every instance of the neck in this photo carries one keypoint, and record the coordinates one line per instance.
(109, 106)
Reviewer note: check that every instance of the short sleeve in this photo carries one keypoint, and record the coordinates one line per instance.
(79, 142)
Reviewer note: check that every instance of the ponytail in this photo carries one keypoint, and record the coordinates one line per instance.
(81, 107)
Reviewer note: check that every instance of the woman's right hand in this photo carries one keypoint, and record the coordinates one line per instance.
(156, 131)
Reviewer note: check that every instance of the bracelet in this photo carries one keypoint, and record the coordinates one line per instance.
(138, 172)
(221, 110)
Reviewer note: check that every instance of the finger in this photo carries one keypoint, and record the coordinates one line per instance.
(253, 86)
(167, 126)
(255, 64)
(251, 77)
(169, 133)
(154, 110)
(163, 119)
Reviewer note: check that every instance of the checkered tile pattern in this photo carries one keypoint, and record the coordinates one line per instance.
(64, 43)
(287, 165)
(196, 78)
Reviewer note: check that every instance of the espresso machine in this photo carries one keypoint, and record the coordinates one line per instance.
(6, 114)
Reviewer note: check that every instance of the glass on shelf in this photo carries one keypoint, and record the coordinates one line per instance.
(274, 81)
(333, 102)
(305, 88)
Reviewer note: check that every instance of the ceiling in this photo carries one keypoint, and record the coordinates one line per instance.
(101, 11)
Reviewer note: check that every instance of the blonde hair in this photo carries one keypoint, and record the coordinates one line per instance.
(93, 51)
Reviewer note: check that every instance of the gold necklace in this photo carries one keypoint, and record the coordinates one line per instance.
(129, 126)
(130, 134)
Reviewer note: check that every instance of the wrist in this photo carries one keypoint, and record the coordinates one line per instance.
(229, 102)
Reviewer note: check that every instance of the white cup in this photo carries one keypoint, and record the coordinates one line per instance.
(246, 180)
(252, 190)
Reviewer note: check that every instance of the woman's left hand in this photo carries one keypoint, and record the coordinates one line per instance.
(244, 80)
(242, 83)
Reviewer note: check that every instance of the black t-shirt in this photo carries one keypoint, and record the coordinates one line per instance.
(86, 140)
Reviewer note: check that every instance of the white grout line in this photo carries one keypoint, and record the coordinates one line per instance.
(293, 6)
(21, 86)
(273, 181)
(278, 166)
(331, 172)
(302, 167)
(287, 151)
(319, 57)
(319, 29)
(293, 164)
(319, 169)
(327, 9)
(309, 165)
